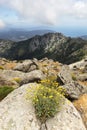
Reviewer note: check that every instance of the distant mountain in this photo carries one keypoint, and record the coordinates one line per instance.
(52, 45)
(19, 35)
(84, 37)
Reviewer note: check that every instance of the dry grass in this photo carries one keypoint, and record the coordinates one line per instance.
(81, 105)
(53, 67)
(83, 83)
(7, 64)
(10, 65)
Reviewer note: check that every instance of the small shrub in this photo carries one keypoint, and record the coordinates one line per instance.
(52, 83)
(17, 79)
(4, 91)
(47, 98)
(47, 102)
(73, 76)
(44, 64)
(49, 82)
(1, 67)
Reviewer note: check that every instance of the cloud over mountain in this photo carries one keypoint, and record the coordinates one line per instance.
(48, 12)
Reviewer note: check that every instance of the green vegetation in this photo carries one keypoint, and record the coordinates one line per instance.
(1, 67)
(46, 102)
(4, 91)
(52, 45)
(73, 76)
(17, 79)
(81, 54)
(51, 82)
(47, 99)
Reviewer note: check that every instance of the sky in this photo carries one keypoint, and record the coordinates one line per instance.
(67, 16)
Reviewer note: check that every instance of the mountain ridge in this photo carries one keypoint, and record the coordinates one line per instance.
(52, 45)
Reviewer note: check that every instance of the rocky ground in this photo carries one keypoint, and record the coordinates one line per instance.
(16, 113)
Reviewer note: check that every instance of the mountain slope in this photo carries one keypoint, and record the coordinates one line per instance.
(52, 45)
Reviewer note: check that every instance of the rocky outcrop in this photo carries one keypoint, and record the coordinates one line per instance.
(18, 113)
(80, 69)
(5, 82)
(66, 119)
(82, 77)
(33, 76)
(73, 88)
(21, 77)
(79, 65)
(65, 75)
(27, 66)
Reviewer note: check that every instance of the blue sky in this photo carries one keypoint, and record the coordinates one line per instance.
(67, 16)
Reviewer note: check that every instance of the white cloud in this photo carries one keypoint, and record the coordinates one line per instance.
(2, 24)
(80, 9)
(51, 12)
(42, 11)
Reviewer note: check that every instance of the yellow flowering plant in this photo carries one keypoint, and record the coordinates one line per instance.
(52, 83)
(47, 102)
(17, 79)
(47, 97)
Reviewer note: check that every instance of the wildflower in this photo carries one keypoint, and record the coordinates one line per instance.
(50, 96)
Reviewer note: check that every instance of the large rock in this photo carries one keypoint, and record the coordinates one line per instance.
(27, 66)
(18, 113)
(21, 77)
(67, 119)
(82, 77)
(10, 74)
(80, 69)
(5, 82)
(73, 88)
(79, 65)
(65, 75)
(33, 76)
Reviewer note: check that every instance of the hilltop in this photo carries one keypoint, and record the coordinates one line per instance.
(55, 46)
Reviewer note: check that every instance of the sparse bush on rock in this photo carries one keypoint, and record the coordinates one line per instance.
(1, 67)
(73, 76)
(47, 102)
(17, 79)
(51, 82)
(47, 98)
